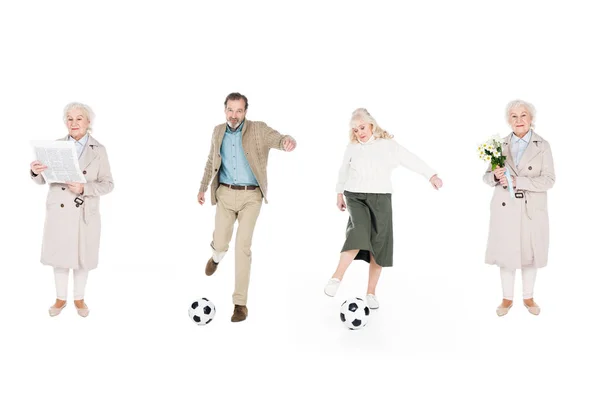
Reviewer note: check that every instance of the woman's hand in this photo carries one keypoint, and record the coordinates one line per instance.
(37, 167)
(499, 175)
(75, 187)
(436, 182)
(341, 204)
(503, 182)
(499, 172)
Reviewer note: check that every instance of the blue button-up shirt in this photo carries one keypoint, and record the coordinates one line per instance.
(79, 144)
(235, 169)
(518, 146)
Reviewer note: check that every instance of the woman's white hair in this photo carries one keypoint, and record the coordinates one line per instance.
(87, 112)
(361, 114)
(520, 103)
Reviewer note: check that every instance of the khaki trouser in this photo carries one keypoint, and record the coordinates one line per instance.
(243, 205)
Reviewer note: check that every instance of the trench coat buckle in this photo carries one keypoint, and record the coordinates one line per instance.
(519, 195)
(78, 201)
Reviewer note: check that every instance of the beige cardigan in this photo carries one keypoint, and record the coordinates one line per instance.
(257, 140)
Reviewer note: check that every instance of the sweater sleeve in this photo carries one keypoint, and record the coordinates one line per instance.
(343, 173)
(274, 139)
(208, 172)
(401, 156)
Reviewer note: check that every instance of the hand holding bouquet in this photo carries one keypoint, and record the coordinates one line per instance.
(491, 151)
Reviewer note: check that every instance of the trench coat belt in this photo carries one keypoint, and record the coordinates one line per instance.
(84, 210)
(524, 198)
(527, 205)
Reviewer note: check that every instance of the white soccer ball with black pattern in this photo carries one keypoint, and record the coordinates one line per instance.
(202, 311)
(355, 313)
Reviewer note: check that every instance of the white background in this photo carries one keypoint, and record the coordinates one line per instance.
(435, 74)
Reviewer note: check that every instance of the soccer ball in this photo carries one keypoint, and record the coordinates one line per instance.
(355, 313)
(202, 311)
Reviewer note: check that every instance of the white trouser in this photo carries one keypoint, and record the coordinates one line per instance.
(507, 276)
(61, 279)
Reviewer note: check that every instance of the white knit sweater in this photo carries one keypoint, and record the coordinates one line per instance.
(367, 167)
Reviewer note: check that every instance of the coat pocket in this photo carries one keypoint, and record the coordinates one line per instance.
(92, 205)
(54, 199)
(539, 201)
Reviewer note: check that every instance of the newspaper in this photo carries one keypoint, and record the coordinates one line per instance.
(61, 159)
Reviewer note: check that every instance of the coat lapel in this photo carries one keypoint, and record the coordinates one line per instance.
(89, 153)
(245, 127)
(533, 149)
(246, 138)
(506, 151)
(220, 135)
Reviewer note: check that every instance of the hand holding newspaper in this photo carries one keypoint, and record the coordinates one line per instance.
(61, 159)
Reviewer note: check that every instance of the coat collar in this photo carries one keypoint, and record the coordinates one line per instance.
(223, 127)
(527, 138)
(506, 151)
(240, 127)
(90, 152)
(83, 141)
(533, 149)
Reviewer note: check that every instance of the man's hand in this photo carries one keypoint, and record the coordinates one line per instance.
(289, 144)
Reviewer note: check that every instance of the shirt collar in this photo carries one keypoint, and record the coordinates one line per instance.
(525, 138)
(238, 129)
(81, 141)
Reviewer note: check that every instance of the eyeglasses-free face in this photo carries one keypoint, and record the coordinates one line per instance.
(235, 112)
(362, 130)
(519, 120)
(77, 123)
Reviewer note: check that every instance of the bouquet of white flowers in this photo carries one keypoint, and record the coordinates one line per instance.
(491, 151)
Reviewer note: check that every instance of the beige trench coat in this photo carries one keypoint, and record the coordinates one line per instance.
(518, 235)
(71, 232)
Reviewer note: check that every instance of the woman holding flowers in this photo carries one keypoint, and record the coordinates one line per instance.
(521, 171)
(365, 180)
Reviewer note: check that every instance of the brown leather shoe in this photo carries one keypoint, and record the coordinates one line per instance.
(239, 313)
(211, 267)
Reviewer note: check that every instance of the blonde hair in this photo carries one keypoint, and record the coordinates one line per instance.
(361, 114)
(520, 103)
(87, 112)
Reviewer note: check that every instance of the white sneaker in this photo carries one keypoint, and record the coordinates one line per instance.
(332, 287)
(372, 301)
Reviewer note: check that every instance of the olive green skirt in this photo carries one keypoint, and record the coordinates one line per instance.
(370, 227)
